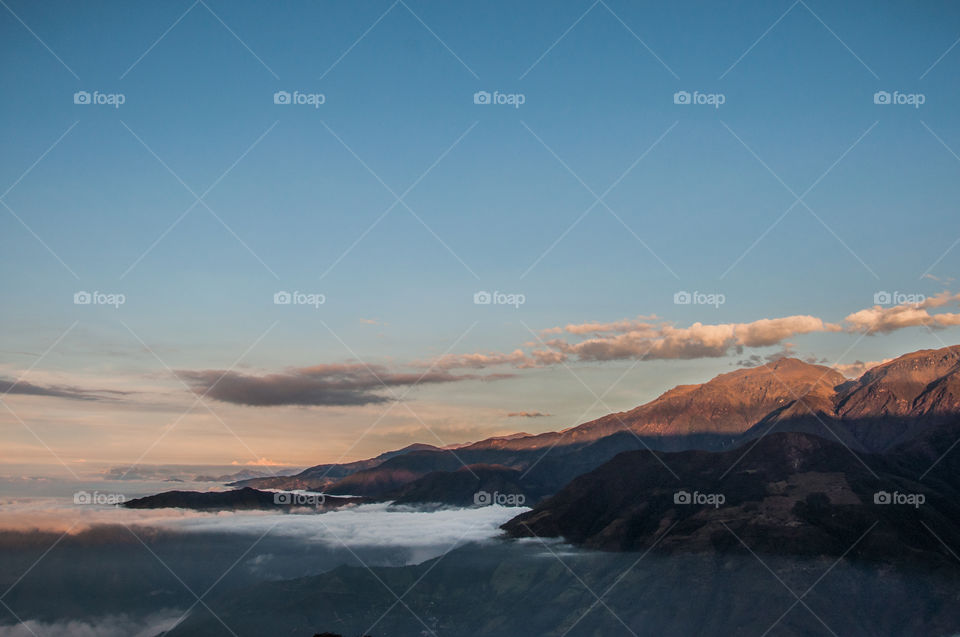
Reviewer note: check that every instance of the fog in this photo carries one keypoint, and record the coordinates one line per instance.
(105, 571)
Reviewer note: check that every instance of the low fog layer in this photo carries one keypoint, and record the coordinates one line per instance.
(107, 626)
(363, 525)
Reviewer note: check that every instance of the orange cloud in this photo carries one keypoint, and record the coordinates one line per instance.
(665, 341)
(260, 462)
(884, 319)
(625, 325)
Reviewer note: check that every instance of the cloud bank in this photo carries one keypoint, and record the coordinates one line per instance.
(885, 319)
(108, 626)
(645, 337)
(25, 388)
(367, 525)
(338, 384)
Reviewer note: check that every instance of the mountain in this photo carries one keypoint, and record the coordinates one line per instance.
(709, 416)
(887, 406)
(243, 474)
(394, 472)
(467, 485)
(789, 494)
(245, 498)
(892, 402)
(847, 491)
(912, 385)
(321, 476)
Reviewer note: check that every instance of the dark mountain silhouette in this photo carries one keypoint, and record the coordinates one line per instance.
(461, 487)
(245, 498)
(791, 493)
(395, 472)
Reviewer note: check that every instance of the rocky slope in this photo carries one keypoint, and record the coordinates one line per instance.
(790, 493)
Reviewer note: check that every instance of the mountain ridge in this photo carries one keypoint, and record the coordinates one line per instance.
(888, 405)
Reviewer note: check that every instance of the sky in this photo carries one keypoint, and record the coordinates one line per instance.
(588, 164)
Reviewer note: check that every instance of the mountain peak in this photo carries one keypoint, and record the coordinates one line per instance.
(922, 386)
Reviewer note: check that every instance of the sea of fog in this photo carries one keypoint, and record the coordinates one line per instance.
(70, 563)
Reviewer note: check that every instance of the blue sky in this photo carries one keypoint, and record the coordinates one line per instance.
(289, 198)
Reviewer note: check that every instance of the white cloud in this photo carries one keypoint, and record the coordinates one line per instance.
(367, 525)
(106, 626)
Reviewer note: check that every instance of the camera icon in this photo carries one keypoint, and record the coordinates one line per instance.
(82, 298)
(81, 97)
(682, 298)
(82, 497)
(283, 498)
(882, 298)
(482, 298)
(481, 97)
(882, 497)
(682, 497)
(282, 298)
(482, 498)
(681, 97)
(281, 97)
(881, 97)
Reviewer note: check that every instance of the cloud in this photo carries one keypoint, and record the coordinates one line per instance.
(478, 360)
(107, 626)
(57, 391)
(858, 368)
(644, 337)
(885, 319)
(334, 384)
(665, 341)
(767, 332)
(625, 325)
(527, 414)
(365, 525)
(944, 280)
(261, 462)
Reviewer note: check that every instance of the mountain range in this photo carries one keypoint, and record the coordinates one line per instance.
(787, 471)
(887, 406)
(798, 453)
